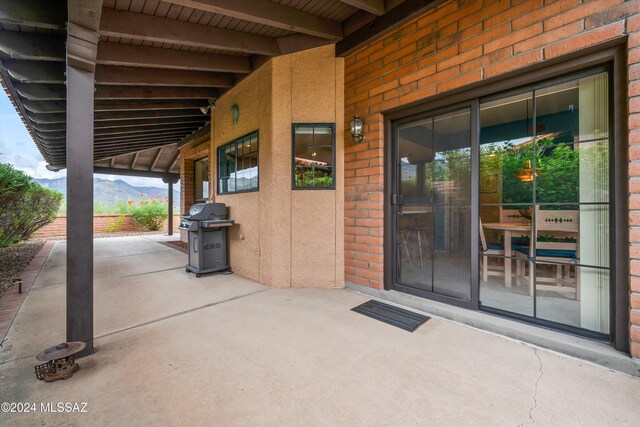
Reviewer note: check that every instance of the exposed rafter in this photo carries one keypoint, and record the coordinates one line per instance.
(269, 13)
(146, 114)
(372, 6)
(144, 56)
(149, 104)
(151, 28)
(32, 46)
(35, 71)
(149, 122)
(150, 92)
(34, 13)
(139, 76)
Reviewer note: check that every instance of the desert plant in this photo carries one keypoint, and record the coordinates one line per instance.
(150, 213)
(113, 225)
(25, 207)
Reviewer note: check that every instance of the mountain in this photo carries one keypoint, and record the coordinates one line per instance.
(107, 192)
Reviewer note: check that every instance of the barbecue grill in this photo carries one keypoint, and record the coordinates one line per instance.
(207, 224)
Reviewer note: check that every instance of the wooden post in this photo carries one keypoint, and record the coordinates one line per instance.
(82, 39)
(170, 181)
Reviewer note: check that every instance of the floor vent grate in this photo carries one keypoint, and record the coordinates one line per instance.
(403, 319)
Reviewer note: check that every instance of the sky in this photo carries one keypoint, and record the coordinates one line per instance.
(18, 149)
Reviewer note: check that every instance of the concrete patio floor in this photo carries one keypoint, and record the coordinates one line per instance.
(222, 350)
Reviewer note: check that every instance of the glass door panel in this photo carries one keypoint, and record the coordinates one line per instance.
(544, 187)
(433, 204)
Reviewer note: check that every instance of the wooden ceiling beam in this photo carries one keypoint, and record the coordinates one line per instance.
(32, 46)
(372, 6)
(272, 14)
(131, 130)
(144, 56)
(142, 137)
(47, 118)
(150, 122)
(35, 71)
(392, 19)
(143, 76)
(46, 14)
(44, 106)
(150, 92)
(156, 158)
(41, 92)
(146, 114)
(119, 23)
(148, 104)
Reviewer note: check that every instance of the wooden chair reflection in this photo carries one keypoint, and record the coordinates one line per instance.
(564, 226)
(496, 250)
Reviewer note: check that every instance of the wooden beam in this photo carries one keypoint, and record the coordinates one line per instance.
(35, 71)
(272, 14)
(150, 92)
(130, 130)
(137, 76)
(149, 122)
(135, 159)
(32, 46)
(146, 114)
(49, 127)
(119, 23)
(173, 162)
(38, 118)
(46, 14)
(144, 56)
(298, 42)
(372, 6)
(391, 20)
(156, 158)
(44, 106)
(149, 104)
(41, 92)
(111, 164)
(107, 152)
(142, 137)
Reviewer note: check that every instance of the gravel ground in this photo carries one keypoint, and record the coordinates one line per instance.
(14, 259)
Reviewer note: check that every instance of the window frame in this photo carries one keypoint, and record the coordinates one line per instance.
(293, 156)
(195, 184)
(234, 143)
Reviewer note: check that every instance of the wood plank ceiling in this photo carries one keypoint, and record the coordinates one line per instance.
(160, 62)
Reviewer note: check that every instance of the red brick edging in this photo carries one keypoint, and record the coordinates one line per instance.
(11, 302)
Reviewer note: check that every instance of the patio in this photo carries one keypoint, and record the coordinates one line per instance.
(223, 350)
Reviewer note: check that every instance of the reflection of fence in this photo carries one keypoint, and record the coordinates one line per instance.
(100, 225)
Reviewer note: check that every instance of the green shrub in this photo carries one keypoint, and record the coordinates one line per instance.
(25, 207)
(149, 214)
(113, 226)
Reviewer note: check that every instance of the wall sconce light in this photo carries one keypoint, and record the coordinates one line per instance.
(236, 113)
(210, 107)
(357, 129)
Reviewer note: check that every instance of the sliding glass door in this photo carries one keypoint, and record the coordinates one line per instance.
(544, 186)
(535, 161)
(432, 204)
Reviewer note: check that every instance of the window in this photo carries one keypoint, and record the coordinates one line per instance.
(238, 165)
(313, 156)
(201, 179)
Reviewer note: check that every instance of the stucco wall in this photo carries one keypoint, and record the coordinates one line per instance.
(285, 238)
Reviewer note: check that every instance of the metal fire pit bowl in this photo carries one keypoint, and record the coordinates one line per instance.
(60, 361)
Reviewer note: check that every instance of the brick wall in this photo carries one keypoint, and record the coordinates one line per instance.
(453, 45)
(100, 223)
